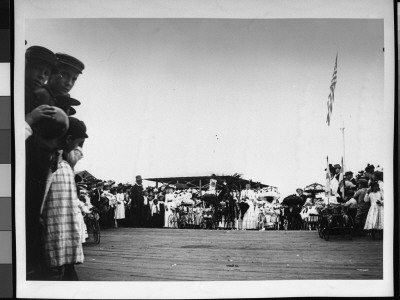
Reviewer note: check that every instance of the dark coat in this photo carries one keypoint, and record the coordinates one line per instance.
(137, 199)
(95, 198)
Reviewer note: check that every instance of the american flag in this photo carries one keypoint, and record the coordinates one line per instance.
(332, 93)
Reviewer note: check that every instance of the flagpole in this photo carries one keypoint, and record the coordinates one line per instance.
(343, 163)
(344, 149)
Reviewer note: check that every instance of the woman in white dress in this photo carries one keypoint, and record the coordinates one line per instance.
(258, 205)
(169, 205)
(375, 214)
(120, 207)
(249, 218)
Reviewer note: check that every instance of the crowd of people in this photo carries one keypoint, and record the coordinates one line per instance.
(56, 199)
(152, 207)
(135, 206)
(54, 140)
(363, 196)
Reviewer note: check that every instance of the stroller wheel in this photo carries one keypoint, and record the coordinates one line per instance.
(326, 234)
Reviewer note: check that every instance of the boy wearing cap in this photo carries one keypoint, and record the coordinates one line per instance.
(39, 64)
(69, 68)
(61, 238)
(60, 83)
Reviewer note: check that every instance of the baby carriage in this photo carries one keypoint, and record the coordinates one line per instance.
(208, 220)
(269, 218)
(186, 216)
(333, 218)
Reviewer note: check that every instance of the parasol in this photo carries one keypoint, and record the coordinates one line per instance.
(293, 200)
(210, 198)
(243, 208)
(268, 195)
(315, 188)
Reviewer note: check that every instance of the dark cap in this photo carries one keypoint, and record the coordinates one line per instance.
(41, 53)
(67, 100)
(77, 128)
(348, 173)
(65, 59)
(71, 111)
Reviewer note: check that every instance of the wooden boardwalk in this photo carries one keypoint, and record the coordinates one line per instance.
(142, 254)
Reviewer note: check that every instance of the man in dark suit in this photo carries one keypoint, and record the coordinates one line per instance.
(137, 203)
(96, 195)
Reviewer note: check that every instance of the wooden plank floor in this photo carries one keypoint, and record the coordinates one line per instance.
(141, 254)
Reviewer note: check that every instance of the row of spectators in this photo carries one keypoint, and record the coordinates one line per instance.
(152, 207)
(141, 212)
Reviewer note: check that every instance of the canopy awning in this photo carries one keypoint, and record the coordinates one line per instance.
(314, 188)
(203, 182)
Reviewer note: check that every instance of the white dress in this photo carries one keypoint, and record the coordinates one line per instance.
(120, 208)
(169, 203)
(375, 213)
(250, 218)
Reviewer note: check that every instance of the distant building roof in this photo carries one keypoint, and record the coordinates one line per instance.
(85, 175)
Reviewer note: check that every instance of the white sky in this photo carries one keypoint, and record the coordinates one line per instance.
(182, 97)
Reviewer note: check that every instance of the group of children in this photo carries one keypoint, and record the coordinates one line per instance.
(54, 141)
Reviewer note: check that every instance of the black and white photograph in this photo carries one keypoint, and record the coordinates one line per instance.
(204, 149)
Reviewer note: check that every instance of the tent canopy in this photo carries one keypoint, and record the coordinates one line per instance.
(85, 175)
(314, 188)
(202, 182)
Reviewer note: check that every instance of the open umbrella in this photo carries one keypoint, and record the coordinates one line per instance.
(210, 198)
(243, 208)
(268, 195)
(293, 200)
(315, 188)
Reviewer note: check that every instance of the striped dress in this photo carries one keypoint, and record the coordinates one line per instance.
(61, 232)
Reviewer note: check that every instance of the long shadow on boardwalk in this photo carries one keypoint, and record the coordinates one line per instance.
(141, 254)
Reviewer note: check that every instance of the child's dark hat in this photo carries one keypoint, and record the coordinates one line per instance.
(41, 53)
(68, 60)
